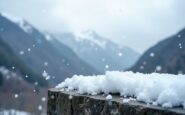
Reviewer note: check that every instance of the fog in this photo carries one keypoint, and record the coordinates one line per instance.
(133, 23)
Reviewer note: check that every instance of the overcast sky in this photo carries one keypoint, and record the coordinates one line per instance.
(138, 24)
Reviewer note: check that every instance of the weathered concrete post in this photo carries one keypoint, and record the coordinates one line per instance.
(72, 103)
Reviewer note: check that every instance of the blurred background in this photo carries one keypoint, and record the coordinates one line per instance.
(43, 42)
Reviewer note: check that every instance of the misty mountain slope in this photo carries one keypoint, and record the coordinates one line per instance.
(168, 56)
(38, 53)
(69, 57)
(102, 54)
(9, 60)
(16, 93)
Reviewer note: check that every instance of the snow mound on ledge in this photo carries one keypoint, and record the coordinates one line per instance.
(162, 89)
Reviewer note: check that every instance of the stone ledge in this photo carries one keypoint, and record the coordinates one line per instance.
(72, 103)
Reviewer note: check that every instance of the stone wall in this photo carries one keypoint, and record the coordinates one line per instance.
(72, 103)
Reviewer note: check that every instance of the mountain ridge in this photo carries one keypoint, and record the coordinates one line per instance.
(12, 62)
(99, 52)
(35, 50)
(167, 56)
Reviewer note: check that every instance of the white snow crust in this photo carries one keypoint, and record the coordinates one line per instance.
(166, 90)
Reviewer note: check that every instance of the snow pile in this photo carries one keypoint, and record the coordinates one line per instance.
(159, 89)
(13, 112)
(109, 97)
(19, 21)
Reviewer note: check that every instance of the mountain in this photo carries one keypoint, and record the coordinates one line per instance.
(1, 79)
(99, 52)
(33, 47)
(18, 83)
(16, 92)
(168, 56)
(9, 60)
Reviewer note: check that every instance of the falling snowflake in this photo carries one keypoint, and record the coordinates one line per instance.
(180, 45)
(40, 107)
(26, 76)
(158, 68)
(43, 99)
(13, 67)
(48, 77)
(45, 63)
(29, 49)
(36, 83)
(70, 97)
(144, 63)
(44, 74)
(120, 54)
(106, 66)
(52, 97)
(179, 36)
(21, 52)
(48, 37)
(103, 59)
(16, 96)
(141, 67)
(152, 54)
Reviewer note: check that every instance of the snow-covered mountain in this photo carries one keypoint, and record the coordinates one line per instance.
(33, 47)
(11, 61)
(99, 52)
(167, 56)
(23, 24)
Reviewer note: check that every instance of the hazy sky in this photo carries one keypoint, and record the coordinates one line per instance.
(138, 24)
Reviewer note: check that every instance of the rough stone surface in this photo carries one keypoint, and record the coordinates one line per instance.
(72, 103)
